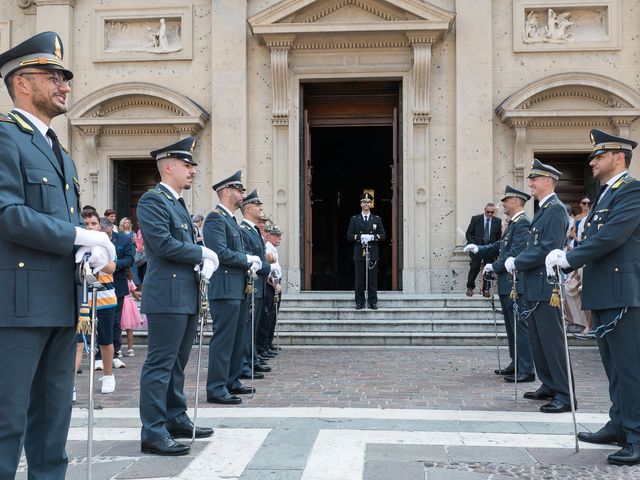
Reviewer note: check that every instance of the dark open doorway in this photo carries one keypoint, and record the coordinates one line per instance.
(346, 161)
(131, 179)
(350, 144)
(576, 180)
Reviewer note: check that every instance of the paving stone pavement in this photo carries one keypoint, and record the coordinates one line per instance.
(360, 413)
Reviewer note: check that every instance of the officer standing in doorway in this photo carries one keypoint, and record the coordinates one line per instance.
(170, 298)
(39, 226)
(366, 230)
(610, 253)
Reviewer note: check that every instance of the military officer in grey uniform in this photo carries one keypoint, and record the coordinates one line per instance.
(513, 241)
(170, 298)
(547, 232)
(227, 294)
(252, 213)
(39, 226)
(610, 254)
(366, 229)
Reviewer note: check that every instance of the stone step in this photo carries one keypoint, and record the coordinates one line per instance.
(385, 300)
(394, 326)
(399, 313)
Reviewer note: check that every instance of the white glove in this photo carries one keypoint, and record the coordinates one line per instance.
(472, 247)
(99, 258)
(90, 238)
(276, 270)
(208, 267)
(510, 265)
(82, 251)
(555, 257)
(252, 259)
(209, 254)
(487, 268)
(255, 266)
(367, 237)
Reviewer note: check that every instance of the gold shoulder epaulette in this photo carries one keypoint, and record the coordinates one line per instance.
(159, 191)
(21, 123)
(218, 211)
(619, 182)
(6, 118)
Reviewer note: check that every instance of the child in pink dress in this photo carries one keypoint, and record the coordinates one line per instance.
(131, 317)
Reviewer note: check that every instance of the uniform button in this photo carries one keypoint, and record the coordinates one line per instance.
(71, 210)
(66, 186)
(21, 264)
(589, 224)
(174, 275)
(45, 179)
(616, 269)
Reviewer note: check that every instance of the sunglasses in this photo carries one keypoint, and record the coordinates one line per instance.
(490, 212)
(585, 203)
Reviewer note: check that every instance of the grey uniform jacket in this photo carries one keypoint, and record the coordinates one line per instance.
(547, 232)
(222, 234)
(513, 241)
(38, 214)
(610, 249)
(255, 246)
(170, 283)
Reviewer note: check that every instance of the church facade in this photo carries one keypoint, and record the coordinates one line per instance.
(431, 106)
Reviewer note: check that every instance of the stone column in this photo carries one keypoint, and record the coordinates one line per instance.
(474, 112)
(283, 181)
(98, 196)
(57, 16)
(416, 277)
(228, 90)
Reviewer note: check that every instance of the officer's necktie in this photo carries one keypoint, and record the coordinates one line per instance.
(181, 200)
(366, 218)
(602, 189)
(259, 235)
(55, 146)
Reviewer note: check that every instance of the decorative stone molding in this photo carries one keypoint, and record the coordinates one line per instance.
(597, 101)
(420, 81)
(280, 77)
(566, 25)
(301, 18)
(126, 35)
(168, 111)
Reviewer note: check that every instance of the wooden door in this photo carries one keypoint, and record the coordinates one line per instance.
(308, 202)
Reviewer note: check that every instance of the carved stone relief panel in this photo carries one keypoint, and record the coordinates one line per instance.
(561, 25)
(153, 34)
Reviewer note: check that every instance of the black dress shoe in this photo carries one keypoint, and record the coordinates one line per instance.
(186, 431)
(505, 371)
(521, 378)
(166, 447)
(256, 376)
(629, 455)
(243, 390)
(540, 394)
(556, 406)
(261, 368)
(274, 352)
(275, 347)
(603, 436)
(266, 354)
(226, 399)
(359, 307)
(373, 307)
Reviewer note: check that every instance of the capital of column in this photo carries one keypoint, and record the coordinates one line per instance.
(420, 76)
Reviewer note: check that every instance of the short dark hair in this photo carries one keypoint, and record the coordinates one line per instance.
(8, 81)
(89, 207)
(89, 214)
(627, 158)
(109, 211)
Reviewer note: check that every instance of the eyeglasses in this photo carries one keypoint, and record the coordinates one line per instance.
(57, 79)
(490, 212)
(585, 203)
